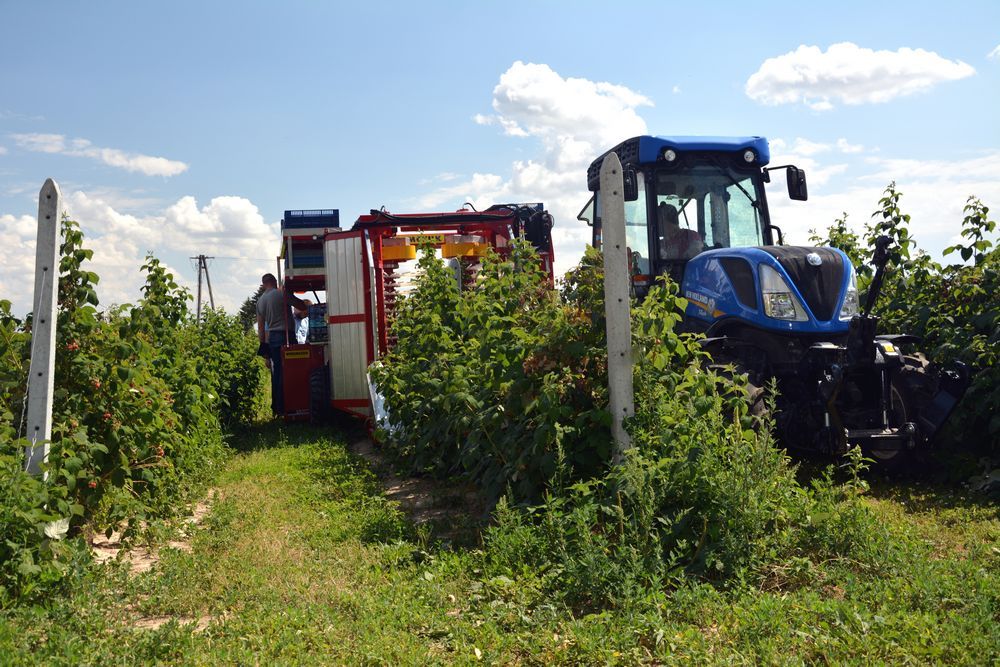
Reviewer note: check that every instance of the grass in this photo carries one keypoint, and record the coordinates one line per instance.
(303, 560)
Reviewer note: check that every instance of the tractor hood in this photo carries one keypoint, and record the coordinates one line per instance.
(724, 284)
(817, 273)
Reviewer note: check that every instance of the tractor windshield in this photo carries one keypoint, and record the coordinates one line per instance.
(706, 206)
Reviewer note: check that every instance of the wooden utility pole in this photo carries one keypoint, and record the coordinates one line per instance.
(616, 301)
(203, 267)
(43, 329)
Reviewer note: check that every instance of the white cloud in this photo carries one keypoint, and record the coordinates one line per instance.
(843, 176)
(849, 74)
(934, 194)
(844, 147)
(536, 100)
(575, 120)
(3, 150)
(994, 54)
(23, 227)
(231, 229)
(806, 147)
(469, 190)
(443, 177)
(133, 162)
(17, 238)
(40, 143)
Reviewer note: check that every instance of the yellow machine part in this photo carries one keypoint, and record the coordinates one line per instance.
(399, 253)
(449, 250)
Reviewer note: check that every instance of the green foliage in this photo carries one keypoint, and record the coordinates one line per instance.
(226, 354)
(302, 561)
(494, 381)
(142, 398)
(247, 315)
(506, 383)
(704, 494)
(14, 349)
(952, 307)
(839, 235)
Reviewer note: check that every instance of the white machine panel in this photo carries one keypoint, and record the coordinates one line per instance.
(350, 339)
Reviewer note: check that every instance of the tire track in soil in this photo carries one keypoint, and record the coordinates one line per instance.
(141, 559)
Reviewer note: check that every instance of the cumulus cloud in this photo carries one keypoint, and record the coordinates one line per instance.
(17, 237)
(574, 120)
(231, 229)
(844, 176)
(113, 157)
(534, 100)
(802, 147)
(850, 74)
(40, 143)
(934, 193)
(844, 147)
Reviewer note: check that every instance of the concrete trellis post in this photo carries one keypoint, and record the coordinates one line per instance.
(616, 300)
(43, 328)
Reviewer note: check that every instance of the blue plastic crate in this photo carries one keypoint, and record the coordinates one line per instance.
(317, 322)
(299, 219)
(307, 262)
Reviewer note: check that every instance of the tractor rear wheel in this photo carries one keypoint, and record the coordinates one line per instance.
(894, 460)
(913, 386)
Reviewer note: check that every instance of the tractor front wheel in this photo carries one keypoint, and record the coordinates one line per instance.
(755, 394)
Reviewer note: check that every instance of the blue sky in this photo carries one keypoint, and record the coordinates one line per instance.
(188, 127)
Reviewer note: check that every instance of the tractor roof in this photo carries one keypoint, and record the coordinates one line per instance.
(645, 149)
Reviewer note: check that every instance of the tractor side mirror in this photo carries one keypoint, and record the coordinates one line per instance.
(797, 189)
(630, 185)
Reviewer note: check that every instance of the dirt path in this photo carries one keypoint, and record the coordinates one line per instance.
(449, 510)
(143, 558)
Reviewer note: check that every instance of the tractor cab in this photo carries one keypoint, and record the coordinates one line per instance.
(687, 195)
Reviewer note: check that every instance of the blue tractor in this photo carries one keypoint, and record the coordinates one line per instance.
(696, 210)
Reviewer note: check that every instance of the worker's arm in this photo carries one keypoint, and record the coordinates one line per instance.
(260, 329)
(294, 301)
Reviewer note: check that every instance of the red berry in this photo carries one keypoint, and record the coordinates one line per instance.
(107, 416)
(92, 484)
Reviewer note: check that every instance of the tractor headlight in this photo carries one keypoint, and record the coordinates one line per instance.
(779, 300)
(851, 306)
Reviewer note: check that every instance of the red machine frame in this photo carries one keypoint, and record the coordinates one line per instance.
(495, 227)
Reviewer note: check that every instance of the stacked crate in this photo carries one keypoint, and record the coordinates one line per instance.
(302, 234)
(317, 323)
